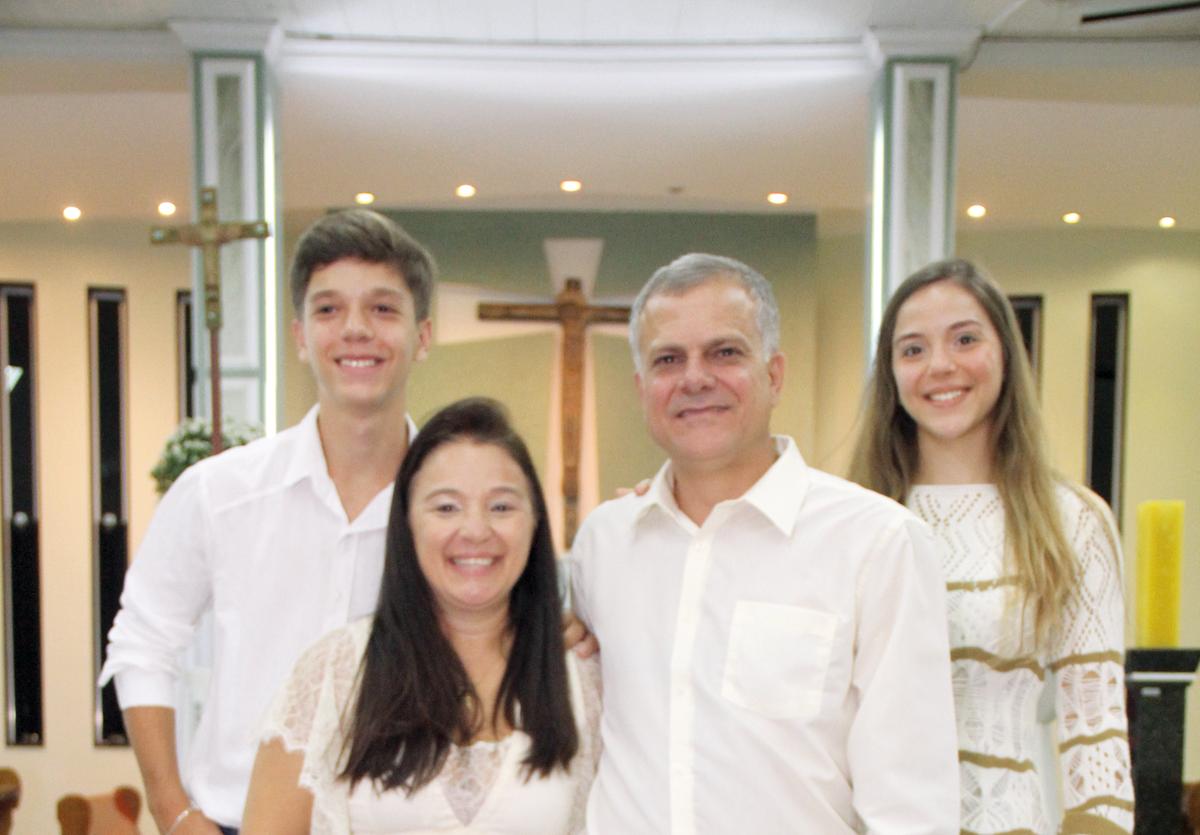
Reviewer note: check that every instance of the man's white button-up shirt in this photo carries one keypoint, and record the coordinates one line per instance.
(782, 668)
(258, 534)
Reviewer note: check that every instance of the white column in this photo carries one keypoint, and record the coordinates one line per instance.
(911, 217)
(233, 120)
(236, 153)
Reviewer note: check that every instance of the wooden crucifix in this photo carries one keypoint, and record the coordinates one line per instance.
(571, 310)
(210, 234)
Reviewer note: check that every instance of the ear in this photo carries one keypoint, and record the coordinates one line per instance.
(776, 365)
(424, 339)
(298, 338)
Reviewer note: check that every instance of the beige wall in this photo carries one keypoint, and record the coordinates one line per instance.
(61, 262)
(1160, 270)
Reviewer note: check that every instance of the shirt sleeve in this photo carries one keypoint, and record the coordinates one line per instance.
(167, 588)
(902, 743)
(1088, 660)
(575, 567)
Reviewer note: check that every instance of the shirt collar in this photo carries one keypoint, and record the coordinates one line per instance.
(309, 458)
(777, 495)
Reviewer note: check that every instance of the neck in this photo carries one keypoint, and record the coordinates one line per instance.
(477, 635)
(966, 460)
(482, 642)
(362, 452)
(699, 488)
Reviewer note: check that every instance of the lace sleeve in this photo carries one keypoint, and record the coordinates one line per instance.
(309, 715)
(587, 760)
(1089, 662)
(294, 710)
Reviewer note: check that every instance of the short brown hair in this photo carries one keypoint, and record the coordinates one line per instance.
(363, 235)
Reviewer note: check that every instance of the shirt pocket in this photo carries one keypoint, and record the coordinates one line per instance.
(777, 659)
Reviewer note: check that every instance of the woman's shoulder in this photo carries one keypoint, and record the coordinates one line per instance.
(1080, 503)
(335, 649)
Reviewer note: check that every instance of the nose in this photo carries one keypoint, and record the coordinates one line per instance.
(941, 360)
(475, 526)
(696, 375)
(357, 324)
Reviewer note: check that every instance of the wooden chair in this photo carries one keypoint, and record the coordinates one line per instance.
(1191, 808)
(100, 814)
(10, 796)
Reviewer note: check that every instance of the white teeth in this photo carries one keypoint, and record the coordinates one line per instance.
(946, 395)
(473, 561)
(358, 363)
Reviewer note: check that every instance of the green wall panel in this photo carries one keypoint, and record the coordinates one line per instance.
(515, 371)
(626, 453)
(503, 250)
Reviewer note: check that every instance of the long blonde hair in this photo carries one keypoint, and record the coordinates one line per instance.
(886, 455)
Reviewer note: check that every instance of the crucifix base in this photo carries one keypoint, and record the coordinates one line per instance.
(1156, 682)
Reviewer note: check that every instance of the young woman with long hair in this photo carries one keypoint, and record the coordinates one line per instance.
(952, 428)
(455, 708)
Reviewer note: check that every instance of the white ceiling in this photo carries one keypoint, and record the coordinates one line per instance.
(658, 104)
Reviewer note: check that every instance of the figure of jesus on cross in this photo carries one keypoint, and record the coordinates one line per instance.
(210, 234)
(571, 310)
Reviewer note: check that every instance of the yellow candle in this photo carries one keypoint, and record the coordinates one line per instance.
(1159, 560)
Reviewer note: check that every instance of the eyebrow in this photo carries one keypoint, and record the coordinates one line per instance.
(724, 339)
(962, 323)
(374, 292)
(446, 489)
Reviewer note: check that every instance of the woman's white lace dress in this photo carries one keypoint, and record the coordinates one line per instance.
(996, 688)
(481, 788)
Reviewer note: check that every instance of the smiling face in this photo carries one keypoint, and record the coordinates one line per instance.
(360, 336)
(472, 519)
(707, 390)
(948, 364)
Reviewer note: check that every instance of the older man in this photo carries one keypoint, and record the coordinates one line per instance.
(775, 651)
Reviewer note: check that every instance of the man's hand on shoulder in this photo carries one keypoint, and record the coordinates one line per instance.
(577, 638)
(639, 489)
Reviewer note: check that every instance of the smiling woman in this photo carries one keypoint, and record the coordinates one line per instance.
(467, 712)
(1031, 561)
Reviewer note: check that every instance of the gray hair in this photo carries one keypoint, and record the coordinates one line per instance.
(694, 269)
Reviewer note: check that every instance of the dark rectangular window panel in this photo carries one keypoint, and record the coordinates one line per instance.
(1029, 320)
(18, 482)
(186, 374)
(1106, 397)
(110, 529)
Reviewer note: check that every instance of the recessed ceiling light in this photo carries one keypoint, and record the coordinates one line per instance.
(976, 211)
(1071, 217)
(1166, 222)
(465, 190)
(570, 185)
(777, 198)
(72, 213)
(364, 198)
(166, 208)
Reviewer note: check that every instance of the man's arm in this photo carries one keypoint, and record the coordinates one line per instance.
(902, 746)
(152, 734)
(167, 588)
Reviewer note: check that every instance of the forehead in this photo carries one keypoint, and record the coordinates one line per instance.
(351, 275)
(939, 305)
(716, 306)
(465, 461)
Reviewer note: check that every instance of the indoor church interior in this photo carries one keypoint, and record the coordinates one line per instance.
(835, 147)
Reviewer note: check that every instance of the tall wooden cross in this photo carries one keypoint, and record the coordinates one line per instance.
(210, 234)
(571, 310)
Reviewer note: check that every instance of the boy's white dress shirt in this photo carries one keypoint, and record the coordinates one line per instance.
(259, 535)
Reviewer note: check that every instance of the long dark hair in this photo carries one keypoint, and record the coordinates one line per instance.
(414, 697)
